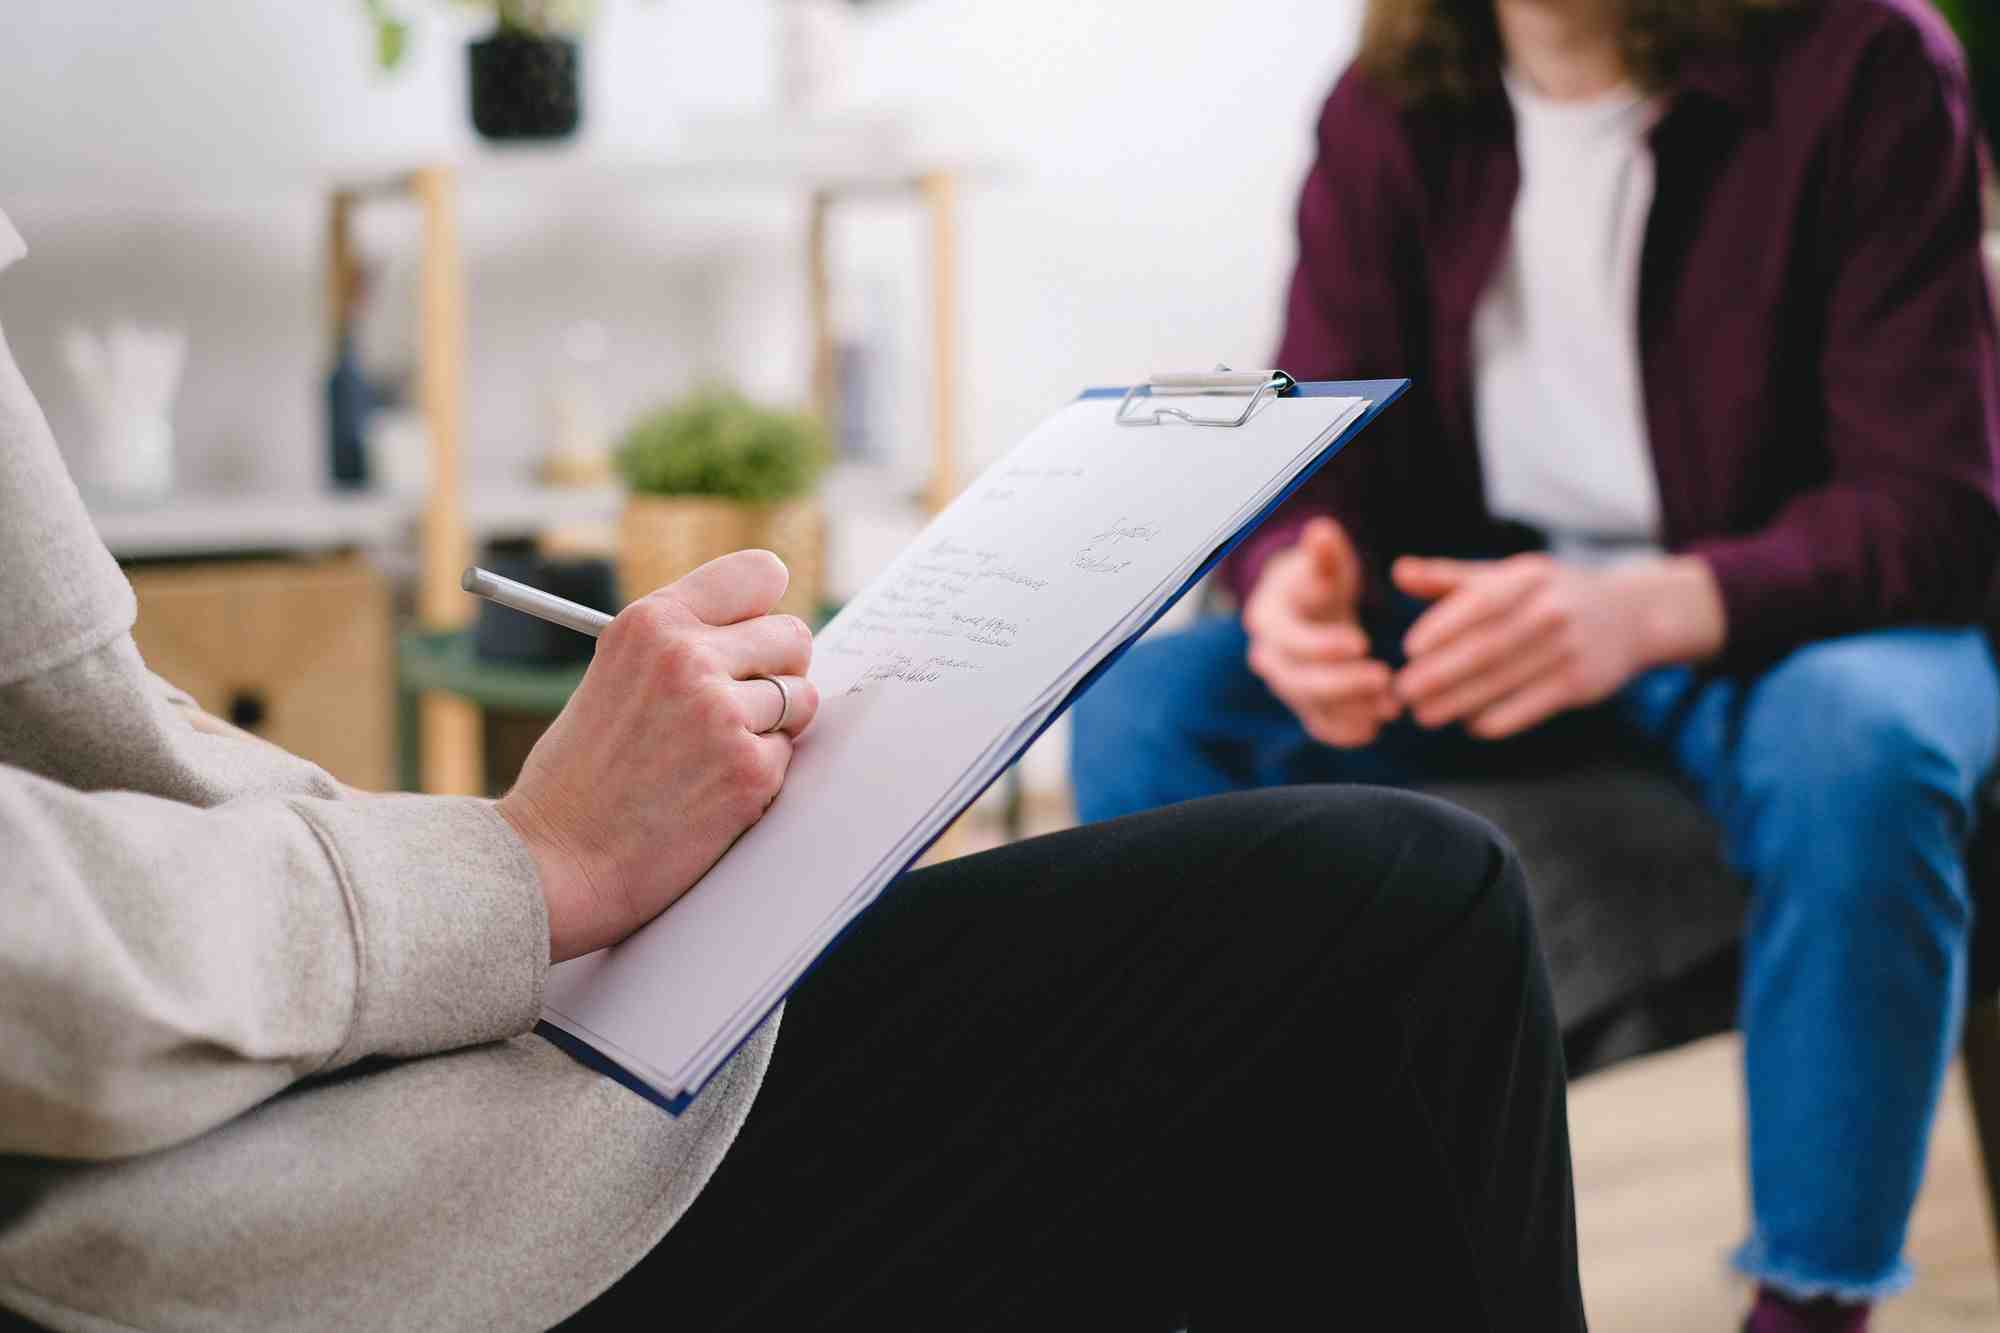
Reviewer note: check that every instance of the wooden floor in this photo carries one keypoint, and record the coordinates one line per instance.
(1661, 1197)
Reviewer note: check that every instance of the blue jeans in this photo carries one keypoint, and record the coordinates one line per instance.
(1843, 779)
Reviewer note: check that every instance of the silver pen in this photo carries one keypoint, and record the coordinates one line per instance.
(533, 601)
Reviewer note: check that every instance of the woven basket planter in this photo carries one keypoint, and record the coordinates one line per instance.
(662, 537)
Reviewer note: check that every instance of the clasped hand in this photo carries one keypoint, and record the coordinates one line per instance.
(1509, 644)
(1505, 646)
(663, 756)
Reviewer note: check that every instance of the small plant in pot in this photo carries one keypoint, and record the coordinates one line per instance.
(1978, 26)
(717, 473)
(526, 75)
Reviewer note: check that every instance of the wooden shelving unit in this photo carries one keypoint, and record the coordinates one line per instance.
(448, 720)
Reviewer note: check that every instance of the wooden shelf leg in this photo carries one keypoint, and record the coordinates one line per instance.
(450, 734)
(819, 305)
(940, 194)
(453, 739)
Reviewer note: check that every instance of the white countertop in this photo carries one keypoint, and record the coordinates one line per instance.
(872, 514)
(219, 523)
(198, 523)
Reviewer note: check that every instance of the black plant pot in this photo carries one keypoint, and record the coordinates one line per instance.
(525, 87)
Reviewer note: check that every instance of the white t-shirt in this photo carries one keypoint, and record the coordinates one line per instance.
(1558, 395)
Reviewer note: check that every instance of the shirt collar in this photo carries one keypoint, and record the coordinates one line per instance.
(11, 245)
(1728, 76)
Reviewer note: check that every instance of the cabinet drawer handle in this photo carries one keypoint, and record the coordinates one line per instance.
(248, 710)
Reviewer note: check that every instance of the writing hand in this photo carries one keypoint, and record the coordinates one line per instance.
(656, 765)
(1306, 640)
(1512, 643)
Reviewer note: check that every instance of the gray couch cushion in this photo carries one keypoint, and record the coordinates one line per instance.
(1638, 915)
(1626, 874)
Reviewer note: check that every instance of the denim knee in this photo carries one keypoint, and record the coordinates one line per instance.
(1132, 706)
(1849, 756)
(1140, 726)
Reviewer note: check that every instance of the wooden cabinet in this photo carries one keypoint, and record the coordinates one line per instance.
(300, 652)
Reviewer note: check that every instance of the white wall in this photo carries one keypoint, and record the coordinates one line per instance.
(1161, 147)
(1145, 222)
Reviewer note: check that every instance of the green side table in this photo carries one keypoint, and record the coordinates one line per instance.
(446, 661)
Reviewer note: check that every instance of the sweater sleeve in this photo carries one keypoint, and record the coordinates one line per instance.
(166, 967)
(1904, 528)
(190, 919)
(1344, 309)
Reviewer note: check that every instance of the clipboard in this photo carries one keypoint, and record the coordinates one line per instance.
(1379, 395)
(1160, 402)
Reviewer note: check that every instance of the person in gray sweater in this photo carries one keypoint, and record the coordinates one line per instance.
(267, 1059)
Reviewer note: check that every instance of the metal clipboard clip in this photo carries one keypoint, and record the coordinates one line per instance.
(1258, 384)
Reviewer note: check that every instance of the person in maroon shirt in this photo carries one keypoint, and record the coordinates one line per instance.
(1790, 618)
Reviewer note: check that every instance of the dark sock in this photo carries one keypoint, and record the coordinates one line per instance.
(1774, 1313)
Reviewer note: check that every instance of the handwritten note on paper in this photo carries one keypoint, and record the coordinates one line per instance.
(1016, 589)
(978, 586)
(1102, 555)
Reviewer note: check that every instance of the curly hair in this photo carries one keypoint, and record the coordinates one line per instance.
(1449, 50)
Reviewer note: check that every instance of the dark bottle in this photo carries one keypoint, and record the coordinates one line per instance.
(348, 400)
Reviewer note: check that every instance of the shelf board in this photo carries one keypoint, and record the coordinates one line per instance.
(872, 513)
(191, 524)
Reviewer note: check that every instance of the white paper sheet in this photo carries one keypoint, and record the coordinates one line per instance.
(930, 681)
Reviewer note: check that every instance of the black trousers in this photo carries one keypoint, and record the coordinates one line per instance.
(1278, 1060)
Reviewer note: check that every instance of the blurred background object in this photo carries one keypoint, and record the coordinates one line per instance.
(127, 378)
(577, 454)
(525, 76)
(816, 54)
(351, 398)
(508, 636)
(1978, 26)
(298, 651)
(716, 473)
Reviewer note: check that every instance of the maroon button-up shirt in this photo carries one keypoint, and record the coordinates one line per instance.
(1817, 339)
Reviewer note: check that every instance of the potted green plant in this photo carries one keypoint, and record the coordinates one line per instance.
(716, 473)
(1978, 26)
(526, 75)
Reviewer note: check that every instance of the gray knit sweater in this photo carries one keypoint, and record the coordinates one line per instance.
(202, 936)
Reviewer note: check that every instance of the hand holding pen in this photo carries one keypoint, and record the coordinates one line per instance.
(677, 741)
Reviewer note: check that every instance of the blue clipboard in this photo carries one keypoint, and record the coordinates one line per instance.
(1379, 395)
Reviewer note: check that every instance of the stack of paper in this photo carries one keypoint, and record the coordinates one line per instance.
(932, 681)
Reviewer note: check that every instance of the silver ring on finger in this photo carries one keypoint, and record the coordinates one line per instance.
(784, 703)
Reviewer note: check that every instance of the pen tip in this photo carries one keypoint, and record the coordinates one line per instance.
(469, 580)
